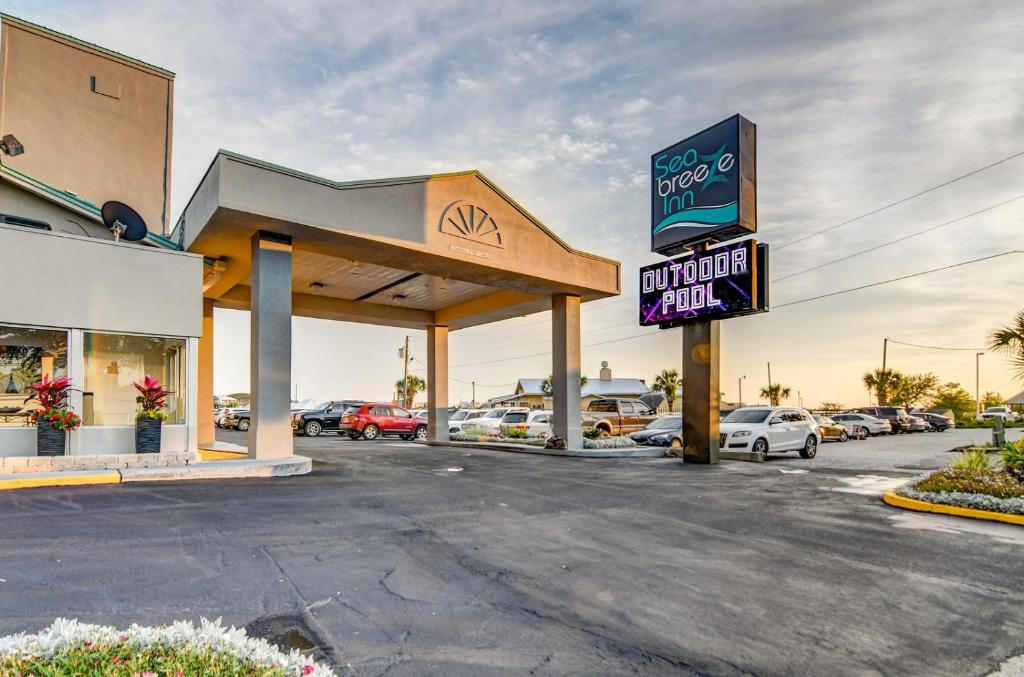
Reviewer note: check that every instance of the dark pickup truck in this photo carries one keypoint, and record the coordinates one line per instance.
(618, 416)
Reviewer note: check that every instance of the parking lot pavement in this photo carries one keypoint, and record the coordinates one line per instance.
(412, 560)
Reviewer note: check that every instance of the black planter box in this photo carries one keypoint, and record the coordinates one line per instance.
(49, 440)
(147, 435)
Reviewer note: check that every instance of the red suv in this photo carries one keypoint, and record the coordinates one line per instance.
(373, 419)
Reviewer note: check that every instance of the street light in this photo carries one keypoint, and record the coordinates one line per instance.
(739, 383)
(977, 382)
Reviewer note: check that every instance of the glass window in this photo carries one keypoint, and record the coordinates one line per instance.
(747, 416)
(626, 409)
(515, 417)
(603, 406)
(400, 413)
(113, 362)
(25, 356)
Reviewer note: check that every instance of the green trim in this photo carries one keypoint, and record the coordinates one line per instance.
(85, 44)
(162, 241)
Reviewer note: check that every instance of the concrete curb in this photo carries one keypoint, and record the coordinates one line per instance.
(207, 470)
(897, 501)
(639, 452)
(749, 456)
(65, 478)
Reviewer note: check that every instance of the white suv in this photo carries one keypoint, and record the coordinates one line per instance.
(992, 413)
(767, 429)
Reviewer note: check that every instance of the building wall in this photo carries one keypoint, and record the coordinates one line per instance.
(19, 202)
(113, 143)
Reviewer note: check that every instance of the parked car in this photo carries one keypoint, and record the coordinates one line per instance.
(218, 416)
(918, 424)
(418, 413)
(373, 419)
(992, 413)
(325, 418)
(237, 419)
(475, 418)
(618, 417)
(935, 422)
(535, 422)
(456, 419)
(896, 416)
(864, 422)
(832, 430)
(664, 431)
(770, 429)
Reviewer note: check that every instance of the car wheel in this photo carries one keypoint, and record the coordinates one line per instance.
(810, 449)
(353, 436)
(421, 432)
(844, 436)
(370, 432)
(675, 443)
(312, 429)
(243, 425)
(761, 445)
(863, 434)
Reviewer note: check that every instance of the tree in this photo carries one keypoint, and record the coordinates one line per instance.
(884, 382)
(953, 396)
(667, 382)
(1010, 341)
(991, 399)
(832, 407)
(776, 392)
(912, 388)
(548, 386)
(413, 386)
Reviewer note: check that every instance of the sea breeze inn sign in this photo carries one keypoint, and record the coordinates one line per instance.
(704, 192)
(704, 188)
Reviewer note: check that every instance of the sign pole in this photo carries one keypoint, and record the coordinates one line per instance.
(701, 396)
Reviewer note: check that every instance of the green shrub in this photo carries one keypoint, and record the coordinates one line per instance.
(973, 481)
(592, 433)
(1013, 455)
(474, 431)
(972, 459)
(513, 433)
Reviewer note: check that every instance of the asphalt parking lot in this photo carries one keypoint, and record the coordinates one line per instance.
(406, 560)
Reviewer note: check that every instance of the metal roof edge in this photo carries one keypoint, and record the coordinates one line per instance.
(78, 42)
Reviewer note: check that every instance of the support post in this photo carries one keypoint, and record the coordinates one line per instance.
(207, 431)
(565, 369)
(701, 397)
(270, 430)
(437, 384)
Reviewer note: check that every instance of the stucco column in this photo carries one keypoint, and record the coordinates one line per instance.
(207, 431)
(437, 384)
(700, 392)
(270, 430)
(565, 369)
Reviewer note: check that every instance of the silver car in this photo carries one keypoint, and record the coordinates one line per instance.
(854, 422)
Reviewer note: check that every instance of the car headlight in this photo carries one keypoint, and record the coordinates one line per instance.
(659, 438)
(741, 433)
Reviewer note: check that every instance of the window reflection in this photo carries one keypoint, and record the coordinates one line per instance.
(113, 362)
(25, 356)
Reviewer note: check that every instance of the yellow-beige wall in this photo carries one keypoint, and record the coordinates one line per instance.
(111, 144)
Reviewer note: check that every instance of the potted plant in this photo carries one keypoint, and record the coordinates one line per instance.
(53, 419)
(149, 421)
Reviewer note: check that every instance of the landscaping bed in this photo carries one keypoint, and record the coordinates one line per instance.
(69, 647)
(597, 443)
(973, 481)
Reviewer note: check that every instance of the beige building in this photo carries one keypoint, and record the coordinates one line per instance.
(529, 392)
(94, 123)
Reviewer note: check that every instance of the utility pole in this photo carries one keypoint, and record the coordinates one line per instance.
(474, 393)
(405, 372)
(739, 382)
(769, 382)
(977, 382)
(885, 350)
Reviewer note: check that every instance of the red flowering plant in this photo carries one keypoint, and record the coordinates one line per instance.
(152, 398)
(52, 395)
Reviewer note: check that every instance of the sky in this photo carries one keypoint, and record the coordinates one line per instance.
(857, 105)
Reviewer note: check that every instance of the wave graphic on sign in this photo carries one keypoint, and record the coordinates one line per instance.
(700, 216)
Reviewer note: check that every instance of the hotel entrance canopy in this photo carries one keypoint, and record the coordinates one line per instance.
(438, 252)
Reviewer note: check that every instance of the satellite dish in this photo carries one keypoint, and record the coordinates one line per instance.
(123, 221)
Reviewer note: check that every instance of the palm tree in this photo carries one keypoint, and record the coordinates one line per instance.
(1010, 340)
(548, 386)
(413, 386)
(884, 382)
(775, 393)
(667, 382)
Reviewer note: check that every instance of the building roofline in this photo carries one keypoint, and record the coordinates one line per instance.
(69, 201)
(390, 181)
(88, 46)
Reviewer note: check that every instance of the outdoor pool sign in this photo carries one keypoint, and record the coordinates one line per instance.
(713, 284)
(704, 188)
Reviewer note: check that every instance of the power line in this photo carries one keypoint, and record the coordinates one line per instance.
(899, 239)
(897, 279)
(899, 202)
(916, 345)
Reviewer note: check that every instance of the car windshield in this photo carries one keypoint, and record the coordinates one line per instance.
(747, 416)
(460, 415)
(495, 413)
(666, 423)
(993, 409)
(353, 410)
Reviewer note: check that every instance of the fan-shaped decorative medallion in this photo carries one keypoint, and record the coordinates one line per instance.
(470, 222)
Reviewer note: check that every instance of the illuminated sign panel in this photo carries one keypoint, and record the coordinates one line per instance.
(704, 188)
(714, 284)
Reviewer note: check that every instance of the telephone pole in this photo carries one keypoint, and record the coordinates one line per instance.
(474, 393)
(405, 374)
(885, 349)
